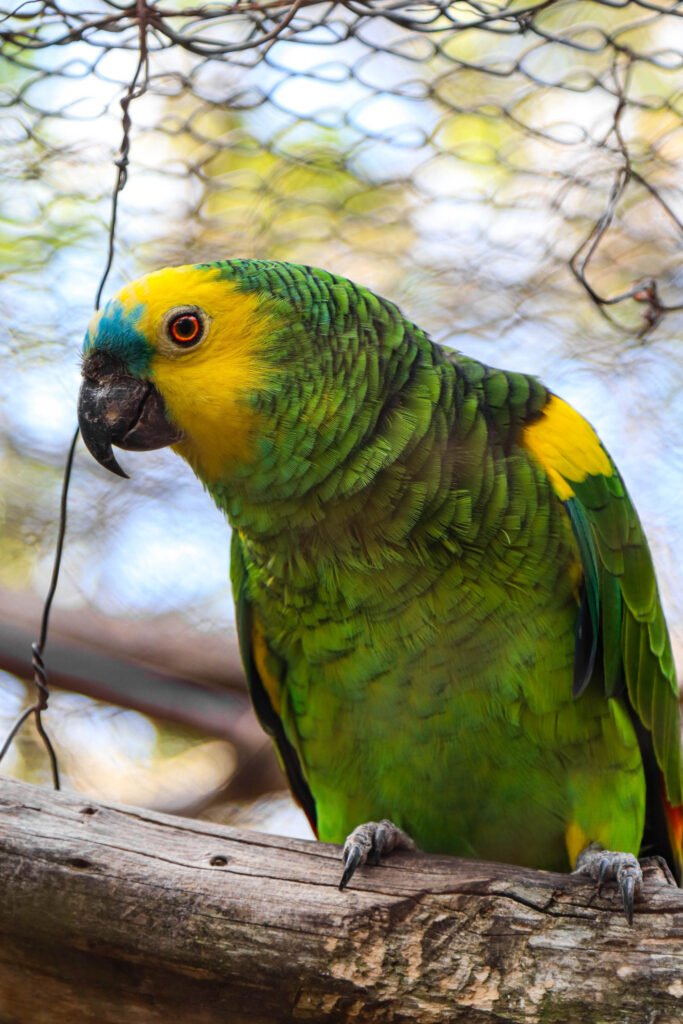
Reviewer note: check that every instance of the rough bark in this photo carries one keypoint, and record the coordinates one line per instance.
(114, 914)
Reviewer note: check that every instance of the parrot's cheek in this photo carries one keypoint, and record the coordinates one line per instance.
(117, 409)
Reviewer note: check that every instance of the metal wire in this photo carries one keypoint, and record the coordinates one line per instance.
(563, 108)
(121, 162)
(40, 675)
(38, 649)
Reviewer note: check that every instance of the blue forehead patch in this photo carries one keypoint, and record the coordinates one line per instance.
(116, 331)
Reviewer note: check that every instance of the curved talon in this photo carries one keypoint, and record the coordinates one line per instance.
(352, 859)
(380, 842)
(367, 843)
(606, 866)
(604, 872)
(628, 890)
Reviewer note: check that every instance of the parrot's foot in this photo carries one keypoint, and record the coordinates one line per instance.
(369, 842)
(607, 866)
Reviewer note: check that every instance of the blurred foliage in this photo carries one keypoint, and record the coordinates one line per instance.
(509, 173)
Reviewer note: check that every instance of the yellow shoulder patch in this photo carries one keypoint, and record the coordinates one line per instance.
(566, 446)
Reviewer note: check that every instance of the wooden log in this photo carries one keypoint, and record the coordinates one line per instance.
(113, 914)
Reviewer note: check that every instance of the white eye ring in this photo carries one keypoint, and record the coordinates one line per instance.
(183, 329)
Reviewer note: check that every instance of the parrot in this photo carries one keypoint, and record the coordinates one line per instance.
(445, 602)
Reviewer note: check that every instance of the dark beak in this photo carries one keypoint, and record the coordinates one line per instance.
(116, 408)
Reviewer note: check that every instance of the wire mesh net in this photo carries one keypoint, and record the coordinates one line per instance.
(509, 173)
(525, 154)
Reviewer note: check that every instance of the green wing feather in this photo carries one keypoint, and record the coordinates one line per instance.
(622, 638)
(265, 711)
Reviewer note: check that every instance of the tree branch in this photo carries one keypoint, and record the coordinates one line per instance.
(111, 914)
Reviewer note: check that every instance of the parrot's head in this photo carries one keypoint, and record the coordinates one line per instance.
(184, 357)
(279, 384)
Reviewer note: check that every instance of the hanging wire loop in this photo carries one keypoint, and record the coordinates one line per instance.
(40, 674)
(38, 648)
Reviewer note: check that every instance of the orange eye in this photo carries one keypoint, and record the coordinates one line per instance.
(185, 329)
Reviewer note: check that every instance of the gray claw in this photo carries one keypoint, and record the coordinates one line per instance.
(607, 866)
(604, 872)
(367, 843)
(352, 858)
(628, 890)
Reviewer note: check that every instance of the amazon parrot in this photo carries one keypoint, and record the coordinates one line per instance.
(447, 610)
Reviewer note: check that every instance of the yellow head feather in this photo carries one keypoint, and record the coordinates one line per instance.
(206, 388)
